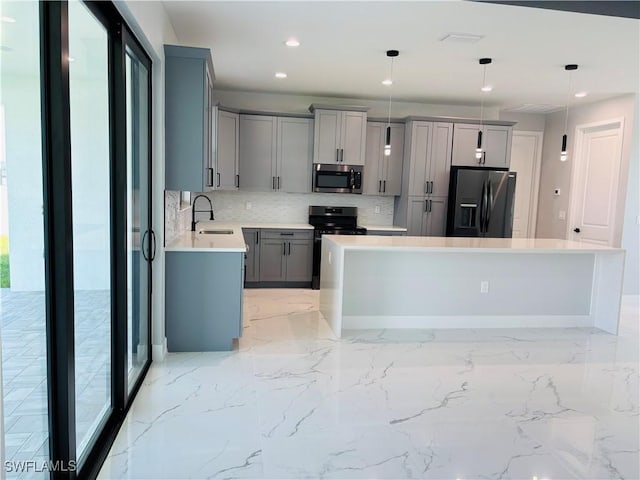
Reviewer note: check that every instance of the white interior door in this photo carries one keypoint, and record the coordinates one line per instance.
(526, 154)
(596, 175)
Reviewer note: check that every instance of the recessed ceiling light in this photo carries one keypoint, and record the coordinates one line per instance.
(580, 94)
(487, 88)
(281, 75)
(387, 82)
(292, 42)
(461, 38)
(8, 19)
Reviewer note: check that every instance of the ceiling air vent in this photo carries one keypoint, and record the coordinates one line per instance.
(534, 108)
(461, 38)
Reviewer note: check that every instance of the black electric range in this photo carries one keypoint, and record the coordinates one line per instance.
(330, 221)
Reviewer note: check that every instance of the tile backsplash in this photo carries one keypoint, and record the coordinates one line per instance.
(273, 207)
(294, 207)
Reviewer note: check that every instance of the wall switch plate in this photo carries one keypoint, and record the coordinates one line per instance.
(377, 210)
(562, 215)
(247, 205)
(556, 192)
(484, 286)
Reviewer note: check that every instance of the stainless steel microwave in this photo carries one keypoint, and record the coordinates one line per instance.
(337, 178)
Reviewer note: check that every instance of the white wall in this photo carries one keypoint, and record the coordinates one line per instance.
(631, 229)
(151, 25)
(556, 174)
(528, 122)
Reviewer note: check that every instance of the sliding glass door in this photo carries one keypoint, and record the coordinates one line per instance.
(76, 245)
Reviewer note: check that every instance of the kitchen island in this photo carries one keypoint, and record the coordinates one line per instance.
(452, 282)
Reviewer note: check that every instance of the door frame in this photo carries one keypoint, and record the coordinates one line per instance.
(535, 178)
(581, 131)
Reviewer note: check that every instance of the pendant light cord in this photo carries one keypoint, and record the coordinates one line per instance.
(566, 115)
(484, 79)
(390, 87)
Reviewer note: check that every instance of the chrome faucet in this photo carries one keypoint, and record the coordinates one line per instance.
(194, 211)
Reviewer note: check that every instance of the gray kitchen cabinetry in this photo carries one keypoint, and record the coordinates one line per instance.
(286, 256)
(275, 153)
(188, 119)
(339, 135)
(383, 174)
(203, 300)
(252, 256)
(226, 149)
(426, 216)
(425, 178)
(386, 233)
(496, 143)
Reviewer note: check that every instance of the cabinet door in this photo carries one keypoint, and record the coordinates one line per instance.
(419, 161)
(227, 151)
(465, 141)
(372, 176)
(299, 260)
(497, 144)
(208, 171)
(257, 152)
(436, 216)
(416, 222)
(440, 162)
(272, 260)
(326, 136)
(353, 138)
(252, 256)
(392, 165)
(295, 151)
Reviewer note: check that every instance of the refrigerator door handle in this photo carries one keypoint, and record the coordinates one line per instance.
(489, 204)
(483, 205)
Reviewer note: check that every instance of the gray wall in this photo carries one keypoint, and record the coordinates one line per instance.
(556, 174)
(631, 229)
(529, 122)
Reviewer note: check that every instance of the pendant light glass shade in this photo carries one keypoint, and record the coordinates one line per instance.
(563, 152)
(387, 141)
(484, 62)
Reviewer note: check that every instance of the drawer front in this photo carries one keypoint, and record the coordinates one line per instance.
(289, 234)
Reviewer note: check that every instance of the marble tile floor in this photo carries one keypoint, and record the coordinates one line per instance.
(24, 370)
(295, 402)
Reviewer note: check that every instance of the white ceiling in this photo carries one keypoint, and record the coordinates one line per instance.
(344, 43)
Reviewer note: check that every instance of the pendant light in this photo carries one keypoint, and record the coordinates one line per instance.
(563, 153)
(484, 62)
(389, 82)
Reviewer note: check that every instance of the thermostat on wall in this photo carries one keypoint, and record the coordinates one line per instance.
(556, 192)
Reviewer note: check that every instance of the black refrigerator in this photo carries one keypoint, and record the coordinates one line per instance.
(480, 202)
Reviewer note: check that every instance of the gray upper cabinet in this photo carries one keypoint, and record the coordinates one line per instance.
(188, 117)
(226, 148)
(496, 142)
(257, 152)
(275, 153)
(339, 136)
(383, 174)
(294, 154)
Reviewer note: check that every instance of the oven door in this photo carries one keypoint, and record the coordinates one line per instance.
(337, 178)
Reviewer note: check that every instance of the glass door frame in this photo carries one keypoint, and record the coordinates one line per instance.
(58, 251)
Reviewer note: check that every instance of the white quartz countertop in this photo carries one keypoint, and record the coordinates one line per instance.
(201, 242)
(384, 228)
(465, 244)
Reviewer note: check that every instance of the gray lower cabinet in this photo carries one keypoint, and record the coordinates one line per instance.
(427, 216)
(252, 256)
(286, 255)
(203, 300)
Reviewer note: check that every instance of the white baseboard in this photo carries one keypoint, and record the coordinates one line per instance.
(159, 352)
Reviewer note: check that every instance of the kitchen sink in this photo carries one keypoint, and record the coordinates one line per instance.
(216, 232)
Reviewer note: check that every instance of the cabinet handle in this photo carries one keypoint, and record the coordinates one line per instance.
(209, 177)
(384, 186)
(273, 183)
(218, 175)
(238, 181)
(337, 155)
(426, 205)
(342, 155)
(430, 205)
(379, 186)
(278, 183)
(284, 248)
(289, 234)
(484, 157)
(289, 248)
(426, 188)
(256, 237)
